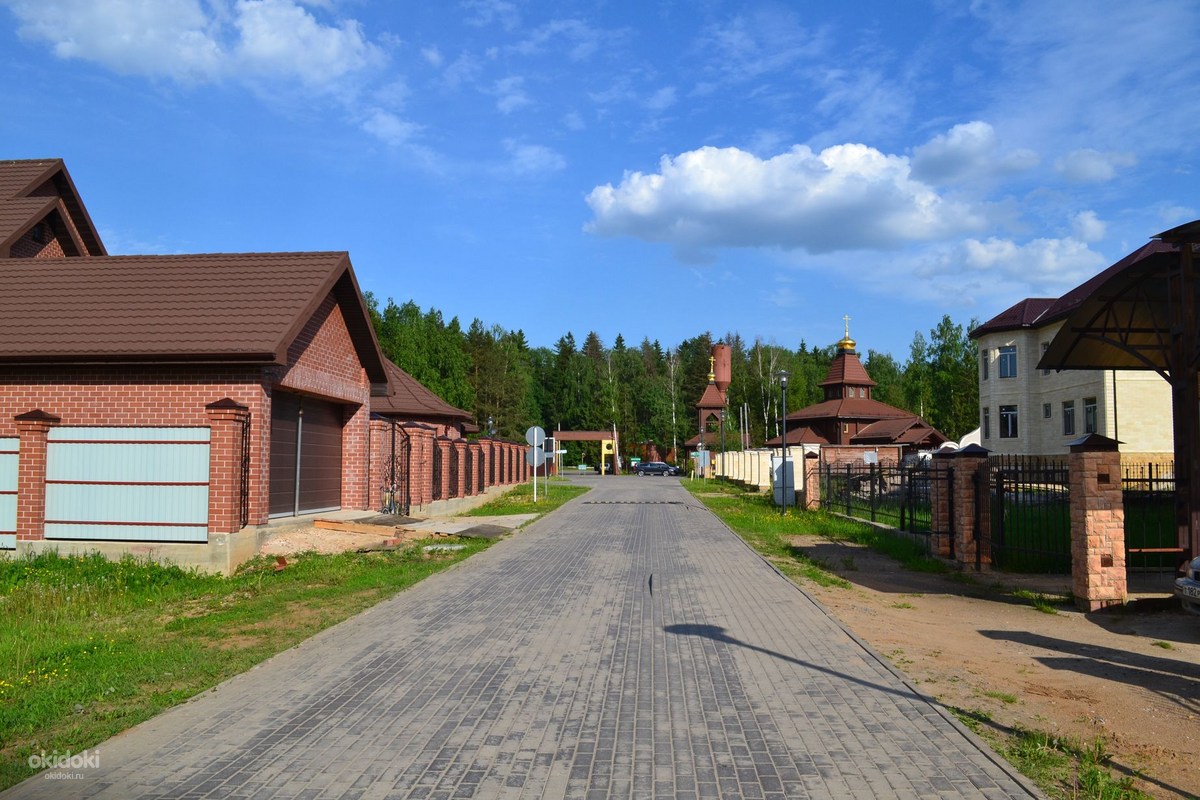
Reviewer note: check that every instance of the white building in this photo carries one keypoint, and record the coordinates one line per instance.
(1027, 411)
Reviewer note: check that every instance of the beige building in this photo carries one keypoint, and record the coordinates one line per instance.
(1027, 411)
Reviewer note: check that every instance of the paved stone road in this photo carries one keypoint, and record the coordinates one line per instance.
(628, 646)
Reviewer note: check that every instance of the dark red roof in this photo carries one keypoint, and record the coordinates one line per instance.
(1029, 313)
(906, 430)
(213, 308)
(847, 369)
(799, 435)
(31, 189)
(712, 397)
(410, 399)
(849, 408)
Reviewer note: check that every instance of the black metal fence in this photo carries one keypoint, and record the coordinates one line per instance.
(1031, 514)
(1151, 537)
(396, 495)
(895, 494)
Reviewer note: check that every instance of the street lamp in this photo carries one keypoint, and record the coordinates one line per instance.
(491, 426)
(783, 470)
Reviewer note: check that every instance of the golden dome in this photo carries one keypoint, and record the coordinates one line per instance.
(846, 343)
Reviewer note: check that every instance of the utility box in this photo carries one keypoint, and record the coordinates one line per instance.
(780, 479)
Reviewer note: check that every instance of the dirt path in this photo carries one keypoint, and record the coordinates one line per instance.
(1132, 678)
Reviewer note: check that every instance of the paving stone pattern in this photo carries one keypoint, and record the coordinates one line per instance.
(627, 646)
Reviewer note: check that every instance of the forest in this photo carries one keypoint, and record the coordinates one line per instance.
(648, 390)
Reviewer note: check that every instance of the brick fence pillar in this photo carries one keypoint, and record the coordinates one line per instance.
(1098, 576)
(941, 502)
(812, 481)
(444, 445)
(227, 421)
(459, 479)
(33, 427)
(972, 511)
(476, 460)
(420, 464)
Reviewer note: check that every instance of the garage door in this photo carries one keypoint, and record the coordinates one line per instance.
(127, 484)
(306, 455)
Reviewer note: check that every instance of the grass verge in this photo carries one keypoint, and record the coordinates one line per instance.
(551, 495)
(1060, 768)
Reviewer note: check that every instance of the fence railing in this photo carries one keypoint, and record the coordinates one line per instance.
(896, 494)
(1031, 514)
(1151, 537)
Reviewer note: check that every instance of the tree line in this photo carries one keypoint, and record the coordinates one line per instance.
(648, 391)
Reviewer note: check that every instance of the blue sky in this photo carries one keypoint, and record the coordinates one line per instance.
(645, 168)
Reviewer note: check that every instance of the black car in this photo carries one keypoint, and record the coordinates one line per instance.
(656, 468)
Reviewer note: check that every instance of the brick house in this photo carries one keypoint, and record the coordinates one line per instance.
(168, 406)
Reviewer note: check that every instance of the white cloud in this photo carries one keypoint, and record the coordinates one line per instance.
(1087, 227)
(661, 100)
(173, 38)
(580, 40)
(573, 120)
(389, 128)
(997, 271)
(967, 151)
(481, 13)
(847, 197)
(1092, 166)
(528, 160)
(433, 56)
(510, 94)
(193, 42)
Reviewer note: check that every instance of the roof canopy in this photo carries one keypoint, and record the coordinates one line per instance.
(409, 398)
(31, 190)
(1121, 318)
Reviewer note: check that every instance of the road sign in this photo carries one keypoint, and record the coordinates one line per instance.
(535, 456)
(535, 436)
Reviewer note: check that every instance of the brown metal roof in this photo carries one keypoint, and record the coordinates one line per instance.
(409, 398)
(1118, 319)
(907, 430)
(800, 435)
(1028, 313)
(45, 179)
(712, 397)
(212, 308)
(847, 369)
(850, 408)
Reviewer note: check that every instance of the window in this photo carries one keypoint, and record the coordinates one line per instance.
(987, 422)
(849, 391)
(1008, 422)
(1047, 411)
(1008, 361)
(1068, 408)
(983, 363)
(1045, 347)
(1089, 415)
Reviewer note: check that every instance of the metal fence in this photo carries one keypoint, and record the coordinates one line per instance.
(1031, 514)
(1151, 536)
(895, 494)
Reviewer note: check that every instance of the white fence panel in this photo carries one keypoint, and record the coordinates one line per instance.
(127, 484)
(9, 454)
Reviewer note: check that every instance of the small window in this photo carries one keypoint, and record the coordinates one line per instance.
(1045, 347)
(1047, 411)
(849, 391)
(1089, 415)
(1068, 412)
(1008, 361)
(38, 233)
(983, 363)
(1008, 422)
(987, 422)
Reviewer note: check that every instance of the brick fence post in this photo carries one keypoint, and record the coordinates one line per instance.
(812, 481)
(972, 508)
(227, 421)
(33, 427)
(459, 479)
(420, 464)
(941, 505)
(1098, 576)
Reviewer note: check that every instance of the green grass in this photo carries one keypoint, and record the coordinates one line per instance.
(92, 647)
(551, 495)
(1062, 768)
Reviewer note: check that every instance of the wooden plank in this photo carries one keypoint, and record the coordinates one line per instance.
(355, 527)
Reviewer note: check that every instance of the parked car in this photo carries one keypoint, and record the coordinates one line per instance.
(1187, 588)
(656, 468)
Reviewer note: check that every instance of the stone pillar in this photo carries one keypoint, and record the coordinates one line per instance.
(33, 427)
(972, 509)
(1098, 576)
(227, 421)
(444, 446)
(478, 476)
